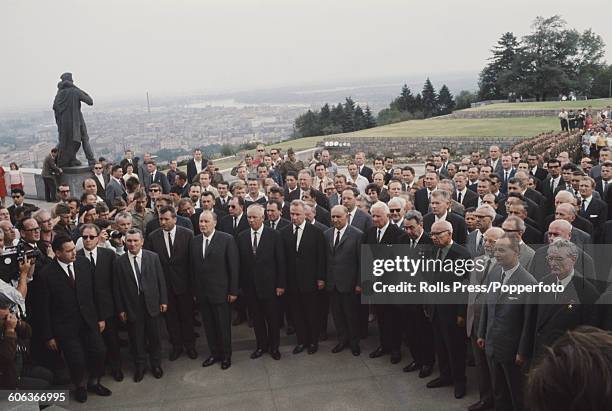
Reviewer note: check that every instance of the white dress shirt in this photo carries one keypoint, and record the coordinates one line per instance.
(65, 268)
(204, 239)
(300, 231)
(443, 218)
(100, 178)
(380, 232)
(172, 236)
(89, 253)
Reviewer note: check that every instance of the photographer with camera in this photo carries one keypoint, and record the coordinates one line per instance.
(116, 236)
(14, 296)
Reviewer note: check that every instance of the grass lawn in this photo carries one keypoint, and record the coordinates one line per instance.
(502, 127)
(547, 105)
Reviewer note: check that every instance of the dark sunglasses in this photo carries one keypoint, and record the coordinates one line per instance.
(89, 237)
(64, 191)
(395, 210)
(154, 190)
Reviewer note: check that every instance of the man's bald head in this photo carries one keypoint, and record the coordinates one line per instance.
(439, 226)
(559, 229)
(565, 211)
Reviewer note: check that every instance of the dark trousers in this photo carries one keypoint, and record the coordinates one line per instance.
(345, 312)
(144, 333)
(450, 342)
(364, 316)
(323, 309)
(508, 380)
(111, 341)
(83, 352)
(266, 321)
(284, 310)
(50, 189)
(179, 319)
(217, 319)
(420, 335)
(485, 388)
(390, 326)
(305, 317)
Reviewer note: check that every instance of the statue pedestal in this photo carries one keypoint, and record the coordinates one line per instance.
(74, 177)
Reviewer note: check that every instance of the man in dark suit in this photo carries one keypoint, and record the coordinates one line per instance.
(467, 198)
(140, 296)
(440, 203)
(305, 264)
(594, 210)
(567, 310)
(535, 169)
(102, 261)
(69, 318)
(278, 194)
(356, 217)
(101, 180)
(389, 316)
(363, 169)
(172, 244)
(215, 273)
(419, 331)
(506, 322)
(506, 173)
(115, 188)
(196, 165)
(274, 214)
(236, 221)
(305, 184)
(448, 320)
(343, 246)
(155, 176)
(18, 196)
(129, 159)
(262, 279)
(423, 196)
(551, 183)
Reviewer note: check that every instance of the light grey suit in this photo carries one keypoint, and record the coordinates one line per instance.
(472, 244)
(526, 255)
(362, 220)
(113, 190)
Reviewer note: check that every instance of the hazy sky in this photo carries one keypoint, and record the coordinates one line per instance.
(118, 48)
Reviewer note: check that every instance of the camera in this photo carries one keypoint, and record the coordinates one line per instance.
(12, 256)
(114, 234)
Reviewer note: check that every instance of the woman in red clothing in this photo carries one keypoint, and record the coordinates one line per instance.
(3, 192)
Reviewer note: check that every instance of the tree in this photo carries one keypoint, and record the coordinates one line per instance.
(405, 101)
(465, 99)
(500, 63)
(430, 104)
(445, 101)
(325, 116)
(349, 113)
(359, 122)
(369, 118)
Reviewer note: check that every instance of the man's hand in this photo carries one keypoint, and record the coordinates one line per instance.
(231, 298)
(101, 325)
(280, 291)
(52, 345)
(103, 236)
(123, 316)
(10, 323)
(163, 308)
(357, 289)
(520, 360)
(320, 284)
(460, 321)
(25, 267)
(480, 343)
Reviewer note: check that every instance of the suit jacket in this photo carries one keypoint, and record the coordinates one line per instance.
(540, 269)
(540, 173)
(191, 168)
(533, 236)
(506, 320)
(180, 221)
(472, 244)
(50, 168)
(224, 207)
(113, 190)
(319, 197)
(153, 286)
(215, 275)
(100, 191)
(11, 210)
(421, 201)
(263, 272)
(160, 178)
(361, 220)
(344, 260)
(498, 167)
(479, 276)
(367, 172)
(579, 222)
(535, 196)
(124, 163)
(572, 308)
(226, 224)
(599, 188)
(597, 214)
(469, 199)
(550, 194)
(103, 281)
(323, 216)
(175, 266)
(526, 255)
(458, 223)
(504, 183)
(280, 224)
(306, 265)
(334, 200)
(65, 308)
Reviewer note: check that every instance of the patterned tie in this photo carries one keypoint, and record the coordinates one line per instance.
(254, 242)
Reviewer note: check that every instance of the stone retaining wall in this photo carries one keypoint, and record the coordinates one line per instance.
(501, 114)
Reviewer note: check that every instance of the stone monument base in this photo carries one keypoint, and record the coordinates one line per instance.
(74, 177)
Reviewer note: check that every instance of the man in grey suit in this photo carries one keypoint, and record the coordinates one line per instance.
(114, 188)
(485, 214)
(356, 217)
(505, 326)
(480, 276)
(514, 226)
(343, 246)
(215, 271)
(140, 295)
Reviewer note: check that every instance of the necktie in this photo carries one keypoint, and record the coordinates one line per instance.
(273, 224)
(459, 197)
(71, 274)
(486, 271)
(321, 186)
(412, 243)
(254, 242)
(480, 243)
(295, 233)
(170, 245)
(138, 275)
(205, 248)
(503, 277)
(505, 176)
(235, 222)
(605, 189)
(337, 239)
(350, 219)
(93, 262)
(378, 235)
(584, 206)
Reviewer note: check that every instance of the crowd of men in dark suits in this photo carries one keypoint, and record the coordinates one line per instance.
(282, 247)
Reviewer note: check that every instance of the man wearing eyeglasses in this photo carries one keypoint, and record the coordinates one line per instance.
(18, 196)
(102, 262)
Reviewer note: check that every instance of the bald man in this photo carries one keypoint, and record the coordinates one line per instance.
(565, 197)
(561, 230)
(568, 213)
(448, 320)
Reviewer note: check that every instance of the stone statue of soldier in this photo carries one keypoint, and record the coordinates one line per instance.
(70, 123)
